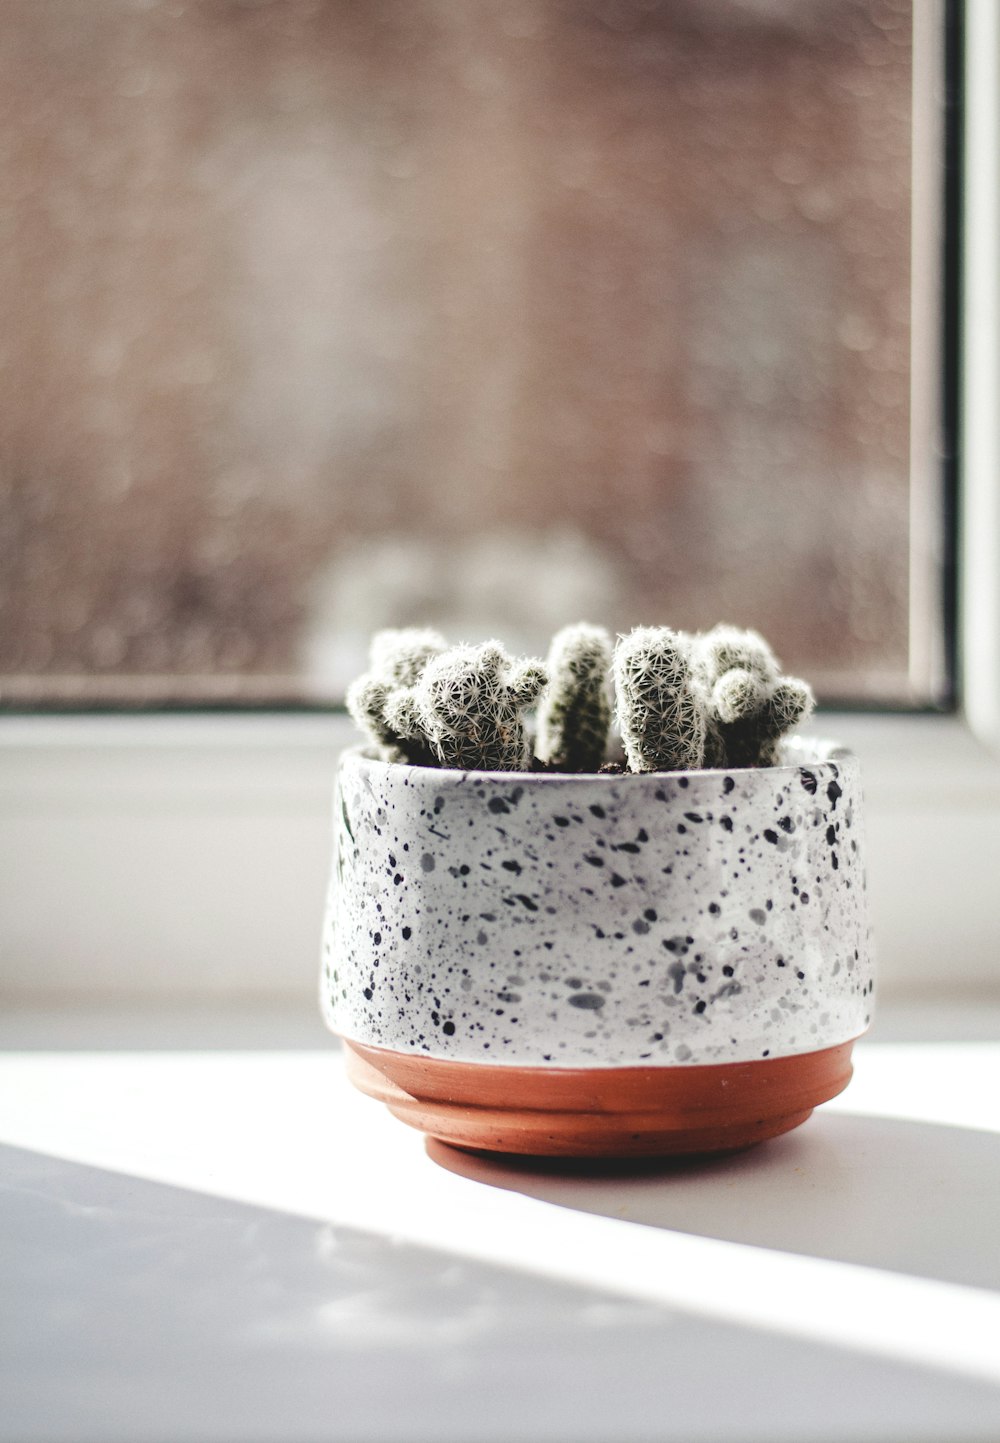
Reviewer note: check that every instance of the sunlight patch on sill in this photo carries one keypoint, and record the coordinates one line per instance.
(282, 1130)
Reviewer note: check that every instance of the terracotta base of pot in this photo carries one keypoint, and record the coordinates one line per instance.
(600, 1112)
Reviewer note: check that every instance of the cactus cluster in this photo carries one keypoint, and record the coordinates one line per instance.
(397, 659)
(751, 706)
(463, 706)
(682, 702)
(713, 700)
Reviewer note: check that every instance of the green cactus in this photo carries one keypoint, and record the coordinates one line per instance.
(399, 656)
(397, 659)
(726, 647)
(574, 712)
(754, 716)
(683, 702)
(661, 707)
(751, 706)
(467, 708)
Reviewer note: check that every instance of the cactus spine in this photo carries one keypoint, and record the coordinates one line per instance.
(574, 713)
(397, 658)
(754, 716)
(400, 655)
(661, 708)
(467, 708)
(751, 705)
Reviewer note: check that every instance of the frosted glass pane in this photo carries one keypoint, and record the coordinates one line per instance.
(316, 317)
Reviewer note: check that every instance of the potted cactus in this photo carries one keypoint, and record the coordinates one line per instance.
(601, 905)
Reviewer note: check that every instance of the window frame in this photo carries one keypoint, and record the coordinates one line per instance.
(979, 425)
(158, 856)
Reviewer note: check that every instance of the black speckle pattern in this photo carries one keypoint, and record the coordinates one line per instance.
(610, 921)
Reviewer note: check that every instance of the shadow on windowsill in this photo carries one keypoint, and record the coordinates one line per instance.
(908, 1197)
(139, 1311)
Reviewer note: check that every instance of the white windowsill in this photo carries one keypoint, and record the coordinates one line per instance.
(231, 1243)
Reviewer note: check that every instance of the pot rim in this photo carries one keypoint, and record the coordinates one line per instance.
(815, 754)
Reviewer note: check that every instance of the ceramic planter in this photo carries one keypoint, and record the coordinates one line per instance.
(599, 965)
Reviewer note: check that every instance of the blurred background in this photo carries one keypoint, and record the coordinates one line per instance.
(317, 317)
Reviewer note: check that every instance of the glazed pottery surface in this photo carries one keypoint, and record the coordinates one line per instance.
(552, 924)
(598, 921)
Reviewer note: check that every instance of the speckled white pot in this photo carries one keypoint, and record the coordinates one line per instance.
(598, 921)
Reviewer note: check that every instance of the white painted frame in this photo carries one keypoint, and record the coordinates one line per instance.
(980, 441)
(186, 857)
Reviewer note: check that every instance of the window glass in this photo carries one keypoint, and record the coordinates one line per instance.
(317, 317)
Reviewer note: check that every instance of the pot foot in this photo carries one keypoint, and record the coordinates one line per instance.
(601, 1112)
